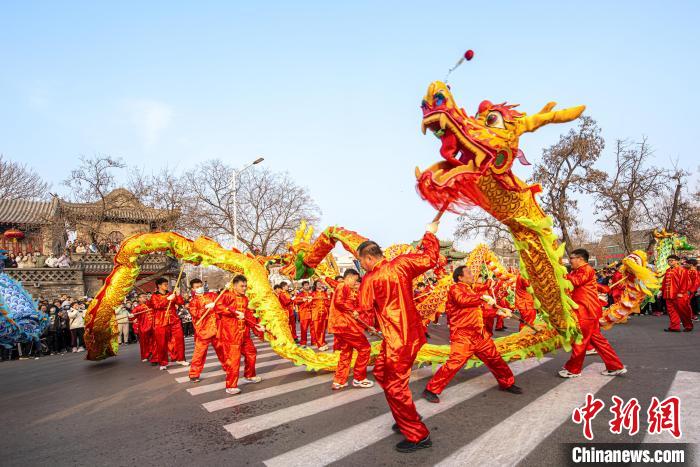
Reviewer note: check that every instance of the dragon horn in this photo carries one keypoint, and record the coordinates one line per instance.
(547, 115)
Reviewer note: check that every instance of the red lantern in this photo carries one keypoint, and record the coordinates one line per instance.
(14, 235)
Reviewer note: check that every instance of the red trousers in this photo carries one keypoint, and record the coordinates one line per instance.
(318, 332)
(679, 311)
(293, 326)
(392, 374)
(169, 340)
(304, 325)
(528, 315)
(232, 360)
(460, 352)
(145, 343)
(346, 342)
(590, 328)
(199, 354)
(488, 323)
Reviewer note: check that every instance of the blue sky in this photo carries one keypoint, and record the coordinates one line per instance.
(330, 92)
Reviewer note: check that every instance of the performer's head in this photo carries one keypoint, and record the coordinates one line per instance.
(319, 286)
(162, 284)
(305, 286)
(370, 254)
(673, 260)
(462, 274)
(284, 286)
(351, 277)
(578, 258)
(143, 298)
(196, 286)
(240, 284)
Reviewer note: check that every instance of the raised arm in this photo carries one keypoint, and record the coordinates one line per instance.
(426, 258)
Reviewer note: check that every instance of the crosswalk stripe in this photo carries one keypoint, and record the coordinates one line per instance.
(246, 398)
(252, 425)
(210, 374)
(343, 443)
(195, 391)
(211, 355)
(542, 417)
(684, 386)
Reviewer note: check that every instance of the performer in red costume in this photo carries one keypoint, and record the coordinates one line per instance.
(248, 350)
(348, 333)
(387, 289)
(524, 301)
(617, 286)
(585, 295)
(674, 290)
(319, 315)
(288, 304)
(204, 323)
(468, 337)
(143, 320)
(303, 303)
(168, 329)
(232, 310)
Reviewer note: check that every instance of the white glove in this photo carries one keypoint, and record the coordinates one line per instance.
(171, 296)
(432, 227)
(260, 328)
(504, 312)
(240, 315)
(488, 299)
(209, 306)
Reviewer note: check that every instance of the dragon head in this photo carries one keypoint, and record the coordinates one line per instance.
(483, 145)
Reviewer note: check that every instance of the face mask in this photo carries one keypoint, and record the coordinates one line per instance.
(199, 290)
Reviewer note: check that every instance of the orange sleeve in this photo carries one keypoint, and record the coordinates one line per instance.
(415, 264)
(365, 297)
(460, 298)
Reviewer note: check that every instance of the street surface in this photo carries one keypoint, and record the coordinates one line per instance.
(63, 410)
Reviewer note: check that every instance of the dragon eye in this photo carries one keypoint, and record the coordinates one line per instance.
(439, 99)
(424, 104)
(495, 119)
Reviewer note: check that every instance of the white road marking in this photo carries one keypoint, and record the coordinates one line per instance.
(252, 425)
(246, 398)
(343, 443)
(684, 386)
(541, 417)
(197, 390)
(210, 374)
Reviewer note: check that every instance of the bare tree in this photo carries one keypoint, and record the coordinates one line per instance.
(17, 181)
(476, 222)
(270, 206)
(625, 196)
(91, 182)
(167, 191)
(563, 170)
(676, 210)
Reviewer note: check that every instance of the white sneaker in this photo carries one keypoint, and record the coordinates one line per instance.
(365, 383)
(338, 386)
(253, 380)
(163, 367)
(81, 349)
(323, 348)
(564, 373)
(144, 360)
(233, 391)
(184, 363)
(75, 349)
(592, 352)
(621, 371)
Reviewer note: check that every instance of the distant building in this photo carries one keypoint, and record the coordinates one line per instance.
(57, 226)
(610, 248)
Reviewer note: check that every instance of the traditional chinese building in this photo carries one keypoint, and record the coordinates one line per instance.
(56, 227)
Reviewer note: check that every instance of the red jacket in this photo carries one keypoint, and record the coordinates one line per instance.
(343, 304)
(230, 327)
(693, 278)
(523, 299)
(303, 302)
(675, 283)
(145, 321)
(159, 304)
(388, 290)
(319, 305)
(585, 292)
(197, 309)
(464, 313)
(286, 302)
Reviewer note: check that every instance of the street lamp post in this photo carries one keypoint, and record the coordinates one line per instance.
(235, 200)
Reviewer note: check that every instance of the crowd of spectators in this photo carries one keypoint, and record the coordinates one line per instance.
(37, 260)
